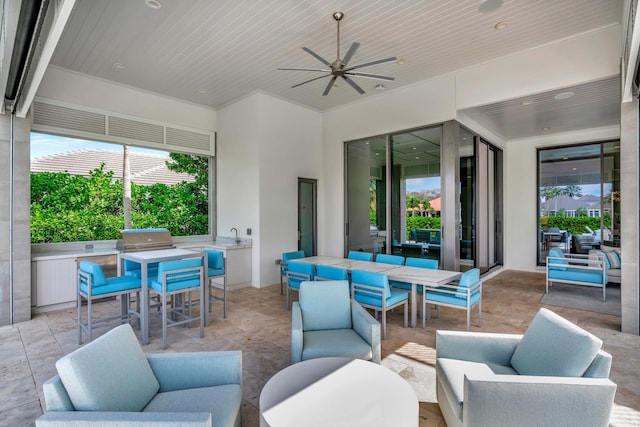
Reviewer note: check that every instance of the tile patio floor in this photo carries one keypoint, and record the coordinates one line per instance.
(259, 324)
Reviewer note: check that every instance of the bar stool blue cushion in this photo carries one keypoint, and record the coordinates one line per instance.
(215, 263)
(176, 281)
(101, 285)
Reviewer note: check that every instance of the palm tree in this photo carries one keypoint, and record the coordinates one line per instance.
(572, 191)
(548, 193)
(126, 186)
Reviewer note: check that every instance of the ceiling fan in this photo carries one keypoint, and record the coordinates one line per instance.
(339, 67)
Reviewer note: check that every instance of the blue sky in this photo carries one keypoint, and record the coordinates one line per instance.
(421, 184)
(45, 145)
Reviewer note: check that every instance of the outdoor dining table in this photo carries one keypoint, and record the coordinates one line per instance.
(412, 275)
(420, 276)
(144, 258)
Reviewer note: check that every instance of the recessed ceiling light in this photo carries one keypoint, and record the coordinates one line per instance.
(575, 169)
(563, 95)
(417, 157)
(527, 102)
(401, 61)
(545, 129)
(501, 25)
(202, 91)
(380, 87)
(153, 4)
(119, 65)
(415, 148)
(489, 6)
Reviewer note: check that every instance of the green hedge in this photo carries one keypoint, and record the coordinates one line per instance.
(575, 225)
(421, 222)
(71, 208)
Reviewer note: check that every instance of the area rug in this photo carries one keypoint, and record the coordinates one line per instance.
(584, 298)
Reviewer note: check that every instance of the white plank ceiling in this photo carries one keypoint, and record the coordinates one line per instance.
(212, 52)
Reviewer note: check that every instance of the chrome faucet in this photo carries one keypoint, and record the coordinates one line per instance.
(236, 230)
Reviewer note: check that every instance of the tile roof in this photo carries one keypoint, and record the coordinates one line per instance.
(146, 169)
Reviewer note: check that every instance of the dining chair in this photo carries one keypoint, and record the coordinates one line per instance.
(92, 285)
(390, 259)
(298, 272)
(176, 279)
(422, 263)
(286, 257)
(331, 272)
(372, 291)
(431, 264)
(216, 272)
(360, 256)
(466, 294)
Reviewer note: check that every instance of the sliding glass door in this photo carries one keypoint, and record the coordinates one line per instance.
(401, 199)
(579, 198)
(365, 195)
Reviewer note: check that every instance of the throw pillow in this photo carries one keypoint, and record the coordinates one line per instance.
(553, 346)
(111, 374)
(613, 258)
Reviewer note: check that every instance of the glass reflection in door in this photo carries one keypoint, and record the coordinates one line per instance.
(365, 228)
(415, 193)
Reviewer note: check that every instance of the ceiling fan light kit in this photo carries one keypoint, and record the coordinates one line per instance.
(339, 67)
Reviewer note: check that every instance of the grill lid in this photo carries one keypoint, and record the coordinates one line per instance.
(145, 239)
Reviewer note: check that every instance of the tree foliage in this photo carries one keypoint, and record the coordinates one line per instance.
(67, 208)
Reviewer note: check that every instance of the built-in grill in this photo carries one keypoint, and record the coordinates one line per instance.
(145, 239)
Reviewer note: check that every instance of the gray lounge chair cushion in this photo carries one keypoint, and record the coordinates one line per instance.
(109, 374)
(553, 346)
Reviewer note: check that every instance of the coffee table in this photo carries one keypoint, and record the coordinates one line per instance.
(337, 391)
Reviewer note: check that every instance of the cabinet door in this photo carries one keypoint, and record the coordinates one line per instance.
(56, 281)
(238, 266)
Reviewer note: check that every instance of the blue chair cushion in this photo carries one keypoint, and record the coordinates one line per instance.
(452, 299)
(390, 259)
(215, 259)
(215, 272)
(335, 343)
(95, 271)
(553, 346)
(221, 401)
(114, 284)
(577, 274)
(360, 256)
(395, 296)
(557, 253)
(109, 374)
(178, 281)
(468, 279)
(325, 305)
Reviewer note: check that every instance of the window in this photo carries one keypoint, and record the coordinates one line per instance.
(78, 191)
(576, 185)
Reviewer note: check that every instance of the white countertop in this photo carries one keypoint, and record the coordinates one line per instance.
(41, 256)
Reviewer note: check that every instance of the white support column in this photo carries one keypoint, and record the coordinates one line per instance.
(629, 205)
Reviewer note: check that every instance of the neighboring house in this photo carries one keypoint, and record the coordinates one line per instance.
(146, 169)
(422, 210)
(571, 206)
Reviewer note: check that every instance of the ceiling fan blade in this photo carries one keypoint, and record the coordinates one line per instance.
(379, 61)
(371, 76)
(354, 85)
(329, 86)
(305, 69)
(318, 57)
(350, 53)
(311, 80)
